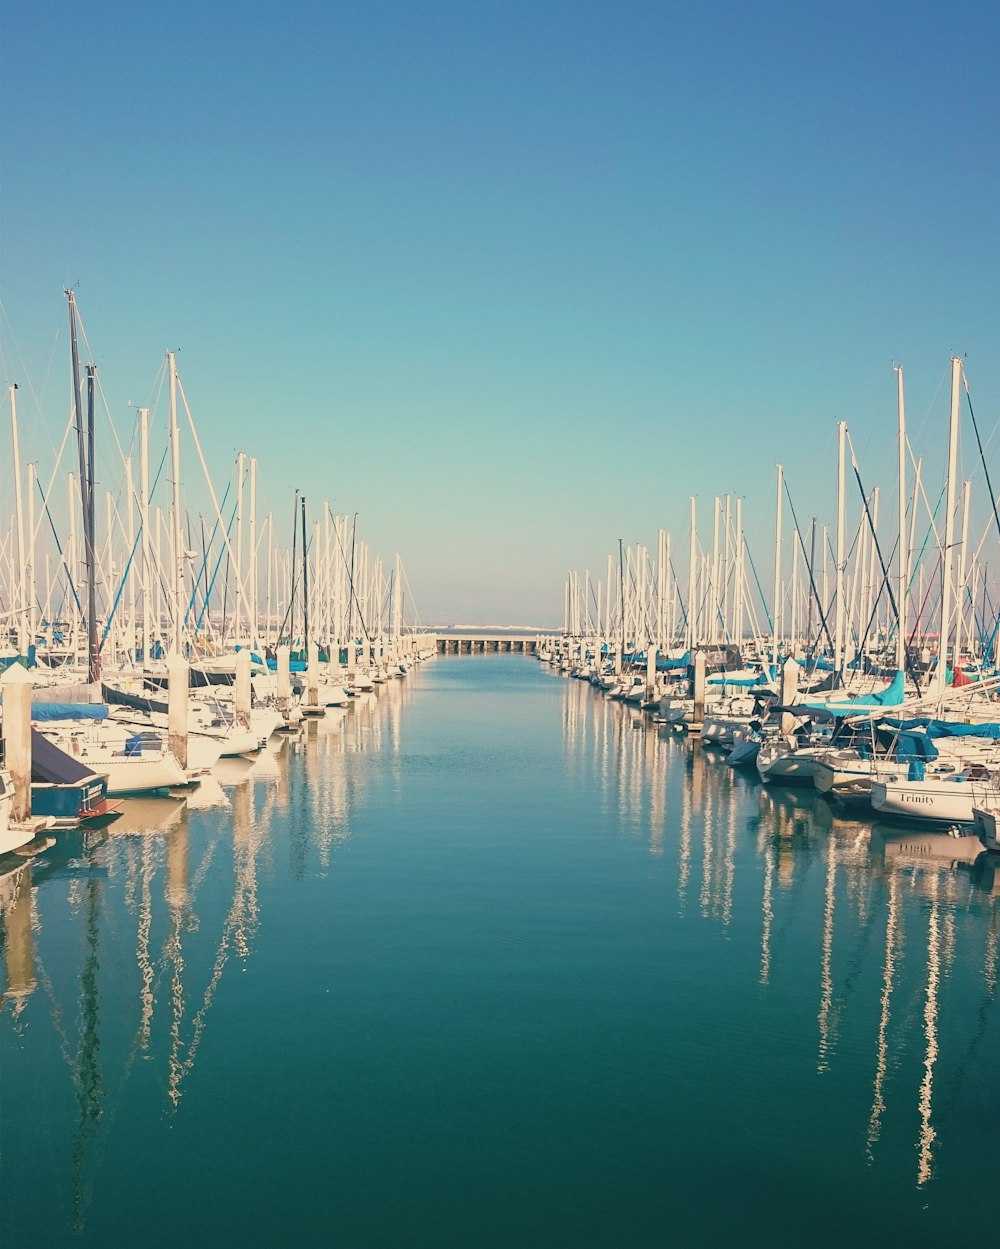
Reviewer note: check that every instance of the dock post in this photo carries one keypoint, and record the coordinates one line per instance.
(312, 676)
(698, 710)
(284, 683)
(16, 686)
(177, 707)
(241, 691)
(789, 692)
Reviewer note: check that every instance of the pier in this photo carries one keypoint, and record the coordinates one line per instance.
(482, 644)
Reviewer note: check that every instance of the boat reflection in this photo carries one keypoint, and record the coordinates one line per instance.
(889, 914)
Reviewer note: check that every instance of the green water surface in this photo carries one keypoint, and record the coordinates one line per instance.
(486, 960)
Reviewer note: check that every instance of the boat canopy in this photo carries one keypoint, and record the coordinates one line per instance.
(943, 728)
(669, 665)
(891, 696)
(135, 702)
(906, 744)
(68, 711)
(51, 765)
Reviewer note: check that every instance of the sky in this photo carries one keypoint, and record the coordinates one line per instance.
(513, 280)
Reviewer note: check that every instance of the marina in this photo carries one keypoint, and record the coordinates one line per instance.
(485, 935)
(499, 626)
(490, 958)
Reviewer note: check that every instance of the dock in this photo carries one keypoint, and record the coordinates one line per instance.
(482, 644)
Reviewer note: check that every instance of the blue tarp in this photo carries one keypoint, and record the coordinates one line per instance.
(906, 745)
(891, 696)
(66, 711)
(69, 711)
(668, 665)
(720, 678)
(945, 728)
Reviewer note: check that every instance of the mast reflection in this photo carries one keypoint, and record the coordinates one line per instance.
(889, 914)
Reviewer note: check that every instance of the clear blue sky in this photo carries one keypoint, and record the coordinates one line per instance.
(510, 280)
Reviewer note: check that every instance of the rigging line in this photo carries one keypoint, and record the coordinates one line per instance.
(62, 557)
(979, 444)
(218, 564)
(805, 557)
(350, 579)
(760, 590)
(886, 580)
(203, 568)
(677, 590)
(406, 582)
(121, 590)
(292, 585)
(931, 585)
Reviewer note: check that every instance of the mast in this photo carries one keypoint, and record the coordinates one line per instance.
(254, 608)
(621, 591)
(949, 530)
(692, 575)
(22, 608)
(86, 480)
(130, 486)
(240, 460)
(93, 643)
(838, 641)
(147, 563)
(32, 595)
(178, 549)
(305, 584)
(738, 588)
(291, 574)
(713, 605)
(397, 604)
(777, 568)
(902, 550)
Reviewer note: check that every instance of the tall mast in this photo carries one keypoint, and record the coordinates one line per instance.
(902, 549)
(85, 475)
(21, 596)
(178, 548)
(93, 643)
(838, 640)
(127, 561)
(32, 595)
(738, 590)
(240, 459)
(692, 576)
(291, 573)
(254, 608)
(777, 568)
(147, 563)
(397, 603)
(713, 605)
(305, 583)
(949, 529)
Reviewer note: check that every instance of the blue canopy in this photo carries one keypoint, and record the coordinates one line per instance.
(947, 728)
(668, 665)
(891, 696)
(69, 711)
(906, 744)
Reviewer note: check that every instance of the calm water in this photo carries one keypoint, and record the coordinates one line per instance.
(487, 961)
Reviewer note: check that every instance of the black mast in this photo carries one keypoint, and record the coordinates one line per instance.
(305, 586)
(85, 446)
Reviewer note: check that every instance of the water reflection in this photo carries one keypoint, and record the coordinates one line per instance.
(115, 944)
(18, 922)
(855, 956)
(885, 913)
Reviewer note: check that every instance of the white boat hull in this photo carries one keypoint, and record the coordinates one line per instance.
(939, 801)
